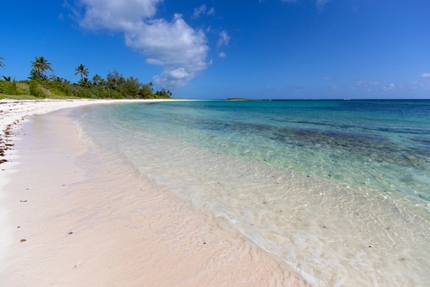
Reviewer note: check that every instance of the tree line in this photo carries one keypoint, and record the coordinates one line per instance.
(115, 85)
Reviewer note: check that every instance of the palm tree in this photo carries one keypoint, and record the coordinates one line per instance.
(85, 83)
(82, 71)
(96, 79)
(102, 83)
(39, 67)
(35, 74)
(1, 63)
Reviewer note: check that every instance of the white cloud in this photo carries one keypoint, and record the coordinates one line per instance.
(199, 11)
(152, 61)
(211, 11)
(177, 47)
(222, 55)
(426, 75)
(424, 85)
(179, 76)
(202, 11)
(174, 45)
(389, 87)
(114, 14)
(224, 38)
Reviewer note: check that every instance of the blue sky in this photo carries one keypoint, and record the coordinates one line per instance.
(294, 49)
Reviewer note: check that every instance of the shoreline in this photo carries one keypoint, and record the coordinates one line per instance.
(86, 225)
(16, 110)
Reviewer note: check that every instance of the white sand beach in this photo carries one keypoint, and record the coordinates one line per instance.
(71, 216)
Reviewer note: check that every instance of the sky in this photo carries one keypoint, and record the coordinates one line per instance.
(262, 49)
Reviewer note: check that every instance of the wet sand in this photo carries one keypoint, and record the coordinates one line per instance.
(74, 216)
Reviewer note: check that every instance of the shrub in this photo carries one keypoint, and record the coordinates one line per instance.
(35, 91)
(9, 88)
(84, 93)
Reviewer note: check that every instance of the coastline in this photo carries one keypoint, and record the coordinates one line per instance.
(99, 225)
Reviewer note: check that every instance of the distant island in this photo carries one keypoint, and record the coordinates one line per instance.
(238, 99)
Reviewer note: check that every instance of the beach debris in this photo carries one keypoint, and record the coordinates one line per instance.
(5, 144)
(308, 175)
(18, 226)
(264, 202)
(324, 226)
(25, 200)
(329, 175)
(402, 259)
(23, 240)
(70, 232)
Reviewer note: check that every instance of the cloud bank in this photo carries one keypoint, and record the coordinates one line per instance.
(173, 45)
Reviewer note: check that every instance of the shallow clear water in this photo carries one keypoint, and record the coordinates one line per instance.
(336, 190)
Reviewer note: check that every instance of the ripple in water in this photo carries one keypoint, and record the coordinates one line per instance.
(337, 191)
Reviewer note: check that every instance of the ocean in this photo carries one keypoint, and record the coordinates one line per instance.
(337, 191)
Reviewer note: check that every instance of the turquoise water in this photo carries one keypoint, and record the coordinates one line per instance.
(336, 190)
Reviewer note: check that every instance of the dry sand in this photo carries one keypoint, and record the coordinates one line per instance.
(73, 216)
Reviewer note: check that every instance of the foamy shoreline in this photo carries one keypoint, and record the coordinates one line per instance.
(109, 229)
(13, 110)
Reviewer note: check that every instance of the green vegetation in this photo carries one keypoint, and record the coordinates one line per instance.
(35, 90)
(39, 85)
